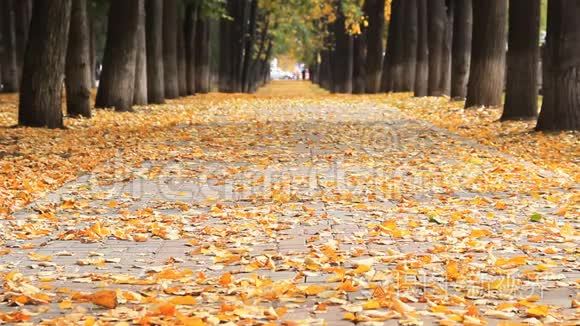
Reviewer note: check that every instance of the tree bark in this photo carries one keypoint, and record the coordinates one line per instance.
(387, 78)
(447, 45)
(78, 70)
(343, 54)
(44, 65)
(256, 64)
(241, 10)
(190, 47)
(170, 49)
(93, 51)
(117, 85)
(154, 43)
(249, 46)
(398, 46)
(521, 100)
(436, 20)
(375, 11)
(10, 63)
(422, 68)
(486, 77)
(410, 39)
(23, 13)
(359, 58)
(202, 47)
(225, 66)
(181, 58)
(461, 49)
(561, 104)
(140, 93)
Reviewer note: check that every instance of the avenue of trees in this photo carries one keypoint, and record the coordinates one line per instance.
(153, 50)
(472, 50)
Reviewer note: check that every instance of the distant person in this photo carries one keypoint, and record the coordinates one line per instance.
(304, 74)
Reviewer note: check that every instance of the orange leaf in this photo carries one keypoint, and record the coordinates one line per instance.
(166, 309)
(105, 299)
(225, 279)
(184, 301)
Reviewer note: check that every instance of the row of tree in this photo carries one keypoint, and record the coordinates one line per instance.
(154, 50)
(457, 48)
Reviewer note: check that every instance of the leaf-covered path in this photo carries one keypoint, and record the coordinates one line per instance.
(269, 209)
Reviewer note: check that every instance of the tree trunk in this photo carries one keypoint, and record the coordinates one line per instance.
(170, 49)
(181, 59)
(249, 46)
(202, 47)
(78, 70)
(375, 11)
(44, 65)
(343, 65)
(523, 57)
(447, 45)
(117, 84)
(359, 58)
(256, 64)
(154, 43)
(486, 77)
(190, 47)
(561, 105)
(23, 13)
(10, 63)
(410, 39)
(387, 78)
(93, 51)
(241, 10)
(325, 70)
(461, 49)
(398, 46)
(225, 69)
(437, 20)
(140, 94)
(422, 69)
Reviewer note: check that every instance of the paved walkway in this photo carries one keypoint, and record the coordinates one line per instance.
(336, 210)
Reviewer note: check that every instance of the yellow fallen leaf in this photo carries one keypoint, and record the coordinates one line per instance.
(65, 304)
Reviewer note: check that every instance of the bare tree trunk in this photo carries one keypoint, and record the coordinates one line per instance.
(422, 69)
(181, 59)
(93, 51)
(410, 37)
(398, 46)
(461, 50)
(154, 44)
(44, 65)
(202, 47)
(343, 53)
(117, 85)
(375, 10)
(140, 94)
(249, 46)
(486, 77)
(10, 63)
(225, 66)
(23, 14)
(170, 49)
(387, 78)
(447, 45)
(523, 57)
(190, 47)
(78, 70)
(359, 59)
(436, 20)
(561, 105)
